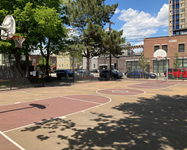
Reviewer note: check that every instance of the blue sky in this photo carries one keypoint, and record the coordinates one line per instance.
(139, 18)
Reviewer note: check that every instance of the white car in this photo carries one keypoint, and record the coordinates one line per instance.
(82, 73)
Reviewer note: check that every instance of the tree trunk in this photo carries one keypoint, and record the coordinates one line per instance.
(110, 66)
(47, 65)
(27, 74)
(18, 66)
(88, 67)
(88, 64)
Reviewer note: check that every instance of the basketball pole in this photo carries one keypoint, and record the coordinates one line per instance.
(166, 69)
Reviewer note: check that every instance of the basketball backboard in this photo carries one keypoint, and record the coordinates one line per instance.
(8, 27)
(160, 53)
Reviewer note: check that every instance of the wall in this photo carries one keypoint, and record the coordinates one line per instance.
(173, 46)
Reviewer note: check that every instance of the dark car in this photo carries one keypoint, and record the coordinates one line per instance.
(67, 72)
(106, 74)
(61, 74)
(94, 71)
(141, 74)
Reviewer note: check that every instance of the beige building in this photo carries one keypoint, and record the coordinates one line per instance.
(177, 17)
(65, 61)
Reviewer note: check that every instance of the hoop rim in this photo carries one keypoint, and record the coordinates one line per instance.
(16, 37)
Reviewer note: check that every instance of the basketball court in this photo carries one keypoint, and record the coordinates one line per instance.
(153, 85)
(26, 115)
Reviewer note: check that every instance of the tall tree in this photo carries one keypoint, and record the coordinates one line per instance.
(111, 44)
(89, 18)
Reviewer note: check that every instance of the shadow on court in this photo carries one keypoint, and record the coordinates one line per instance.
(31, 106)
(159, 122)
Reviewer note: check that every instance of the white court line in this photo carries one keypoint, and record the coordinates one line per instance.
(148, 86)
(11, 141)
(62, 116)
(81, 100)
(120, 95)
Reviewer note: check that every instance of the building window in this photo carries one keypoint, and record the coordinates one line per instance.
(183, 10)
(182, 20)
(173, 17)
(66, 59)
(173, 27)
(177, 11)
(66, 65)
(129, 52)
(62, 65)
(177, 21)
(173, 6)
(62, 59)
(94, 66)
(59, 66)
(181, 47)
(177, 6)
(156, 47)
(177, 16)
(165, 47)
(132, 65)
(34, 61)
(159, 66)
(177, 26)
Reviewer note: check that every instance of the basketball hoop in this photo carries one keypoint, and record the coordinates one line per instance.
(18, 41)
(159, 57)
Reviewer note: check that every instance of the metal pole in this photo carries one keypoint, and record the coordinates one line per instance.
(73, 71)
(157, 68)
(43, 71)
(166, 69)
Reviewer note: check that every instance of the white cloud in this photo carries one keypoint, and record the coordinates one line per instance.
(140, 24)
(117, 11)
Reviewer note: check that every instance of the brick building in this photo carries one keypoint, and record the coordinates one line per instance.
(35, 61)
(172, 45)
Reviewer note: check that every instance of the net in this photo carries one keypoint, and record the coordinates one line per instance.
(158, 58)
(18, 40)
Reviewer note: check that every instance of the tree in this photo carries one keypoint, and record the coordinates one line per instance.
(32, 23)
(176, 62)
(111, 44)
(143, 61)
(42, 64)
(89, 18)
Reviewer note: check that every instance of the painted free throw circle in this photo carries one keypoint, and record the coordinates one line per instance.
(127, 92)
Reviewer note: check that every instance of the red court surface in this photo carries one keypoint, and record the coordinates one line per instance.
(5, 144)
(123, 92)
(153, 85)
(22, 114)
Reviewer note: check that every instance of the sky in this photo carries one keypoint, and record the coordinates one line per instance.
(140, 18)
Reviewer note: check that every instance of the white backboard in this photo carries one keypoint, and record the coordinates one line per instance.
(160, 53)
(8, 27)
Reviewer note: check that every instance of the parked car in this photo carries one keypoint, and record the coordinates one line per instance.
(120, 74)
(94, 71)
(140, 74)
(68, 72)
(127, 72)
(82, 73)
(177, 73)
(106, 74)
(61, 74)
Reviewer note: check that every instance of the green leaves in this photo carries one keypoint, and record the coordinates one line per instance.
(143, 61)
